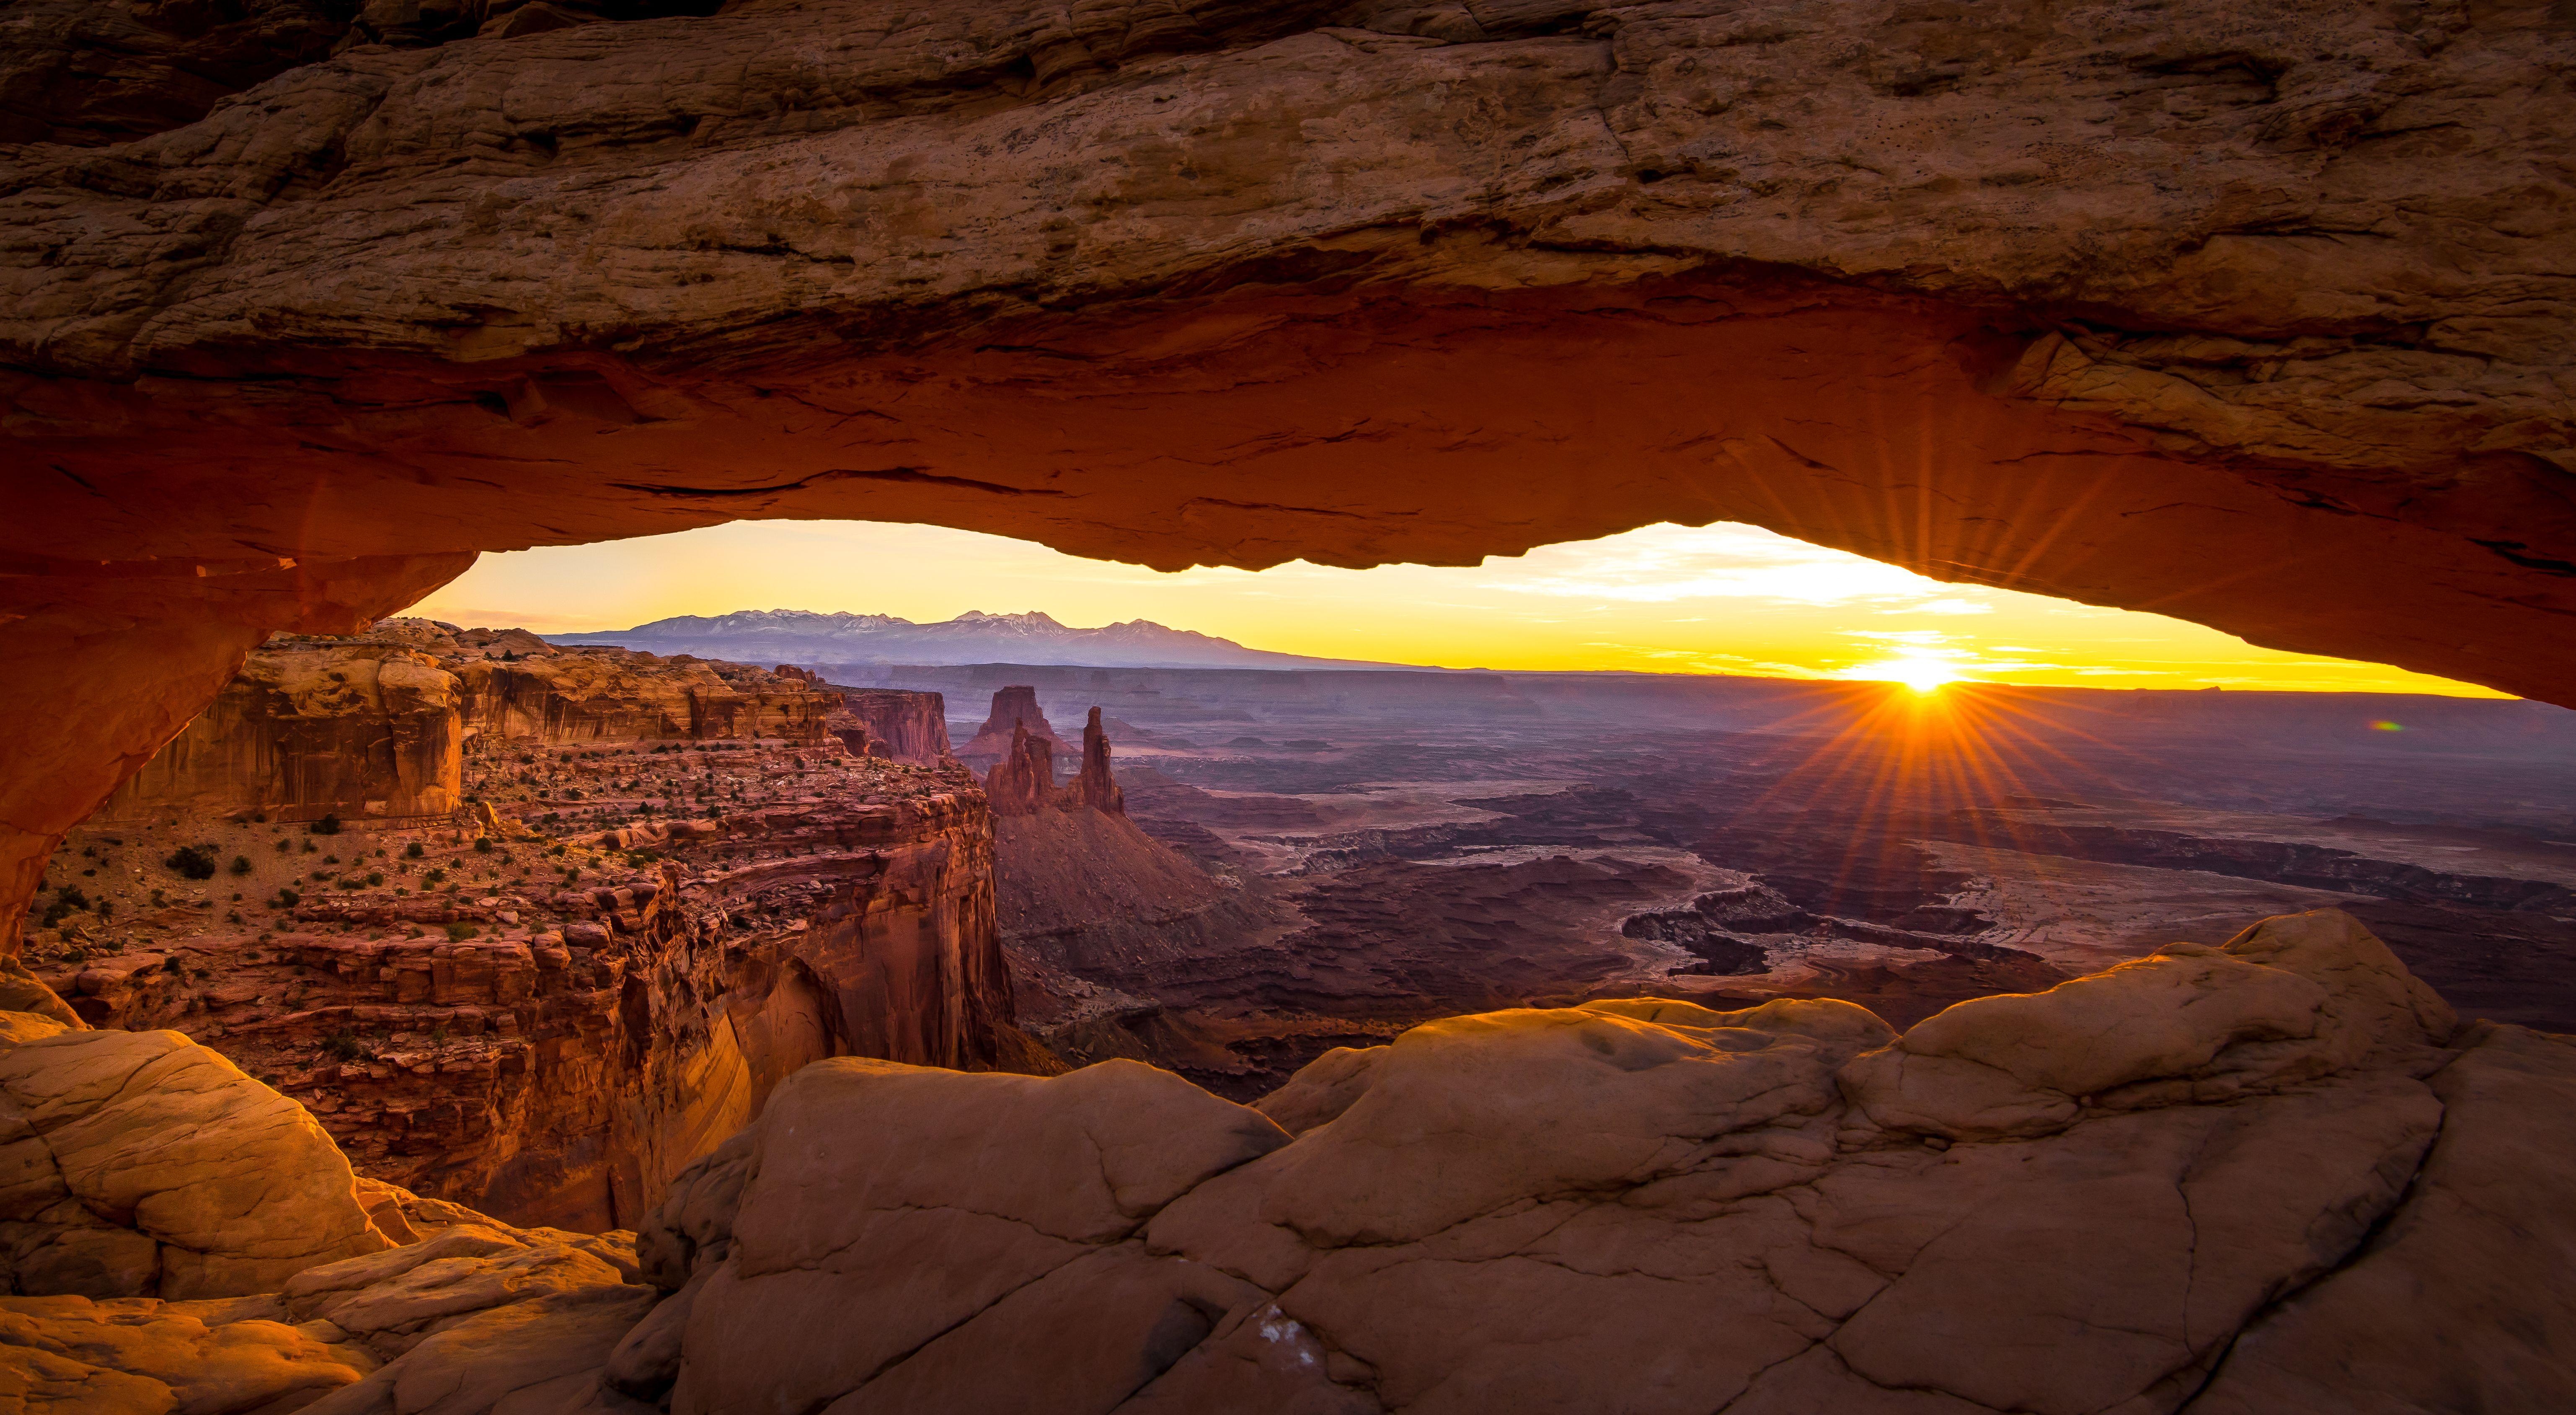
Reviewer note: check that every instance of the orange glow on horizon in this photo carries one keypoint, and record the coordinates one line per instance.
(1720, 599)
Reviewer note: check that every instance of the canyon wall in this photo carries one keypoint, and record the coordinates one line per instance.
(372, 726)
(913, 726)
(544, 1051)
(2080, 300)
(312, 728)
(553, 1055)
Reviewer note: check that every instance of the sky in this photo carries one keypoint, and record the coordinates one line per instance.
(1667, 599)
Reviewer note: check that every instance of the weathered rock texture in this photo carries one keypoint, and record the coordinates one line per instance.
(310, 728)
(2189, 1183)
(912, 726)
(1023, 782)
(2274, 1177)
(552, 1053)
(2252, 315)
(1097, 785)
(143, 1165)
(373, 725)
(1014, 709)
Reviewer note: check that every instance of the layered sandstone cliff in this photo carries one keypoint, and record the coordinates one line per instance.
(373, 725)
(551, 1052)
(312, 728)
(912, 726)
(544, 1004)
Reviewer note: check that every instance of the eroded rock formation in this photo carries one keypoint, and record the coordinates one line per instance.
(2083, 301)
(311, 728)
(913, 726)
(1097, 786)
(551, 1052)
(1023, 782)
(1014, 708)
(2275, 1176)
(1680, 1209)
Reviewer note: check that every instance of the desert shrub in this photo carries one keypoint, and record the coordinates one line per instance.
(344, 1046)
(460, 931)
(240, 865)
(482, 845)
(285, 846)
(328, 825)
(192, 862)
(375, 878)
(287, 898)
(413, 851)
(433, 876)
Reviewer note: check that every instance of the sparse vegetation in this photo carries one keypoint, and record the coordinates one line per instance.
(413, 851)
(240, 865)
(328, 825)
(192, 862)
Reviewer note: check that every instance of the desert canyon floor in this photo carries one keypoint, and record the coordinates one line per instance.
(404, 1019)
(456, 1023)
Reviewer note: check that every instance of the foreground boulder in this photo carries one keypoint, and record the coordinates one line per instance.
(2269, 1179)
(2200, 1180)
(139, 1164)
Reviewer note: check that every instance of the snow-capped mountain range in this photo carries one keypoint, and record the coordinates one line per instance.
(804, 635)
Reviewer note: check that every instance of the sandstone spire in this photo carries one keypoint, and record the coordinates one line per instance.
(1097, 787)
(1022, 783)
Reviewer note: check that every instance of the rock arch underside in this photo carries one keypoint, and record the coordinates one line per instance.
(2254, 313)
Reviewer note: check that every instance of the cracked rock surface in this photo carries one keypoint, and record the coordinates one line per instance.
(2200, 1181)
(2276, 1178)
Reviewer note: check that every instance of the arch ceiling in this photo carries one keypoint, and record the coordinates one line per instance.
(2255, 314)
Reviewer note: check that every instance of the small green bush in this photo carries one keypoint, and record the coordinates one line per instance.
(460, 931)
(192, 862)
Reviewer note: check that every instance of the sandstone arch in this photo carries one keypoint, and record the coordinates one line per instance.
(2255, 314)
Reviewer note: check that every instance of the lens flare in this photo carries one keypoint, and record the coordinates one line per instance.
(1923, 675)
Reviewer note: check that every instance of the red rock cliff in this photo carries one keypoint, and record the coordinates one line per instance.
(1023, 781)
(1015, 706)
(313, 728)
(913, 726)
(553, 1054)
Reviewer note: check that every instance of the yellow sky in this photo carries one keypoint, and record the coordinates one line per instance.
(1669, 599)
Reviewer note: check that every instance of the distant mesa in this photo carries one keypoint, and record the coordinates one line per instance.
(972, 637)
(1015, 708)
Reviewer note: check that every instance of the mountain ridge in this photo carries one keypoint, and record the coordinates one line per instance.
(972, 637)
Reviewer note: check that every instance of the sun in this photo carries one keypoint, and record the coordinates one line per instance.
(1923, 675)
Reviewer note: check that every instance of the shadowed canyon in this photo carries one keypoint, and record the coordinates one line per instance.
(409, 1018)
